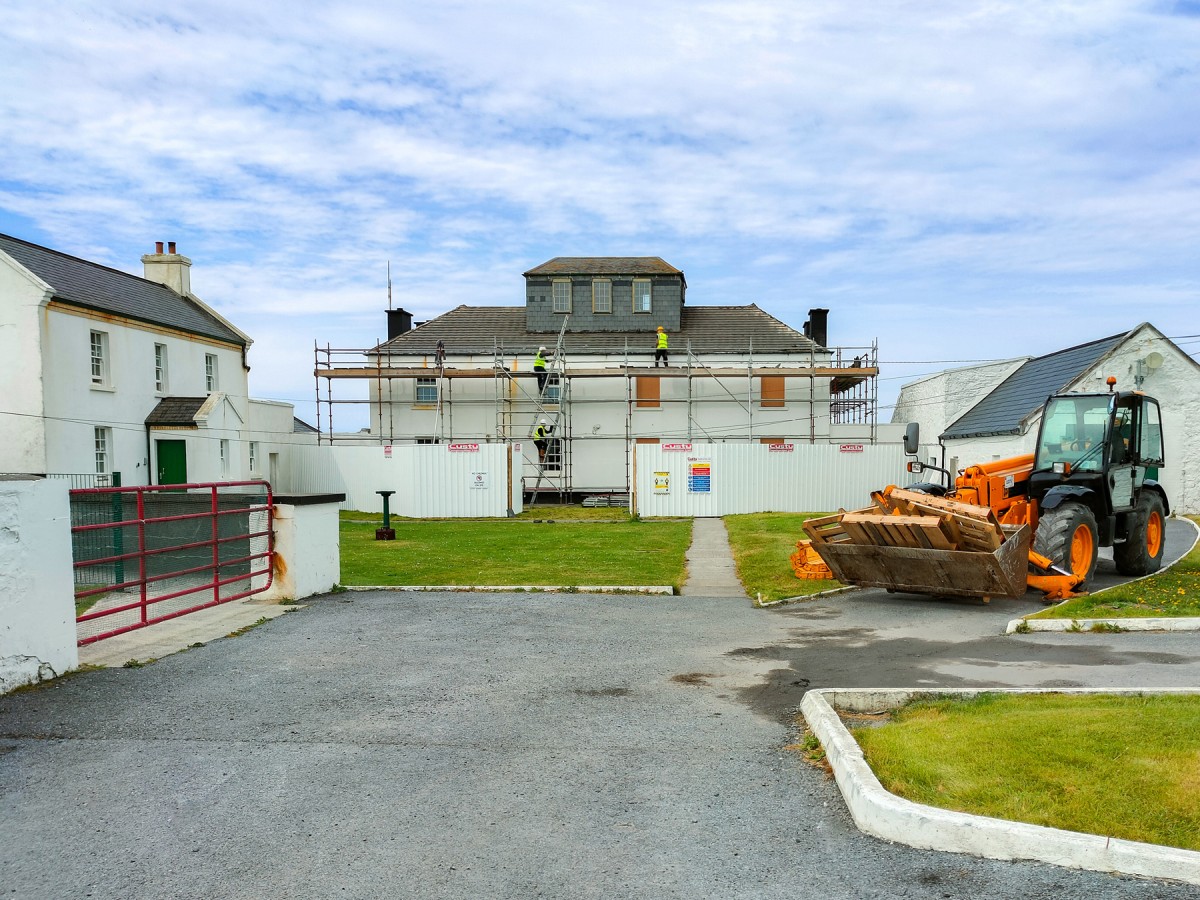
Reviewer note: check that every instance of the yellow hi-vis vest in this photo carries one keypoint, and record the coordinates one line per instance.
(662, 340)
(539, 362)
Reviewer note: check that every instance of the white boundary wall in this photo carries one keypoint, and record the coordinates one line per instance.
(452, 480)
(746, 478)
(37, 609)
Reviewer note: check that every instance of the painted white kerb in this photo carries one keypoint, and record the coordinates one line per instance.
(37, 609)
(882, 814)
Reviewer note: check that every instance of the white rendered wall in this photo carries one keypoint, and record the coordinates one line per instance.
(307, 551)
(23, 448)
(37, 609)
(937, 401)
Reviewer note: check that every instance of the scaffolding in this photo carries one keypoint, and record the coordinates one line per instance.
(850, 373)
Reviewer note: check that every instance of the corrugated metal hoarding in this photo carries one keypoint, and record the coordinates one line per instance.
(695, 479)
(453, 480)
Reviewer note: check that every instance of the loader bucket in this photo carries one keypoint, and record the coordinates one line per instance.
(942, 573)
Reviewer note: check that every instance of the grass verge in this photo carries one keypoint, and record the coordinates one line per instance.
(1125, 767)
(511, 551)
(1169, 594)
(762, 545)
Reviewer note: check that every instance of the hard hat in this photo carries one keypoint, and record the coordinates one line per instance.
(541, 349)
(660, 328)
(544, 421)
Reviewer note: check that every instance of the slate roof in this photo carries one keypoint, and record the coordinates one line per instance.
(299, 426)
(175, 411)
(708, 329)
(88, 284)
(605, 265)
(1024, 391)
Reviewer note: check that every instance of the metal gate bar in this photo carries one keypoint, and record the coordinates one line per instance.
(101, 559)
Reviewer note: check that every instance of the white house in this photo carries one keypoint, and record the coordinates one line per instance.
(109, 374)
(736, 374)
(991, 412)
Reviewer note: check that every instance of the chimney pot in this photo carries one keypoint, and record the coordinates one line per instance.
(158, 247)
(170, 246)
(399, 322)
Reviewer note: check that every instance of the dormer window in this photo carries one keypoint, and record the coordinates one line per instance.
(641, 295)
(562, 295)
(602, 296)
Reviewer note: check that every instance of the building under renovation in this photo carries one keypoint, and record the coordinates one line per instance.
(733, 374)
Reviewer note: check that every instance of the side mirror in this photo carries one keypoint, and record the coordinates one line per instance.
(912, 438)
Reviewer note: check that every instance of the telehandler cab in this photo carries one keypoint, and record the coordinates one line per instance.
(1090, 483)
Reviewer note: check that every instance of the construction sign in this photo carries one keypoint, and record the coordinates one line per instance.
(662, 482)
(699, 476)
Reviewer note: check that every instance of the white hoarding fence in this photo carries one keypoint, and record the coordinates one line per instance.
(695, 479)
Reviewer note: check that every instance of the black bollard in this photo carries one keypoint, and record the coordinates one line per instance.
(386, 533)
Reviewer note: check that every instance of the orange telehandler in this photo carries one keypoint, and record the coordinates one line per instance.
(1030, 521)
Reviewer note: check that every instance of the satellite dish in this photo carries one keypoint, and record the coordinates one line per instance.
(1154, 360)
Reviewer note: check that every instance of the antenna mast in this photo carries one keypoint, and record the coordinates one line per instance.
(389, 270)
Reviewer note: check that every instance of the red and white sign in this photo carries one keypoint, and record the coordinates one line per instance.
(387, 451)
(850, 448)
(781, 448)
(463, 448)
(678, 447)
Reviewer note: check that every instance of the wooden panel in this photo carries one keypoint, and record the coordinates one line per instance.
(771, 390)
(647, 391)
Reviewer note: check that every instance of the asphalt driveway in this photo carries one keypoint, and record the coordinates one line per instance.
(513, 746)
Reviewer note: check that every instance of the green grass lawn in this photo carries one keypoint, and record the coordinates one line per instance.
(1175, 592)
(1125, 767)
(762, 546)
(512, 551)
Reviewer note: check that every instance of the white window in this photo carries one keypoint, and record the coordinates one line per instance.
(103, 443)
(160, 368)
(211, 380)
(224, 457)
(553, 390)
(254, 457)
(641, 295)
(602, 296)
(562, 296)
(427, 391)
(99, 358)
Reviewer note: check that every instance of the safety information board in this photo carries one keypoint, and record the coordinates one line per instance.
(662, 482)
(699, 476)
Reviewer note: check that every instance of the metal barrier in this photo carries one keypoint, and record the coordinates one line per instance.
(147, 554)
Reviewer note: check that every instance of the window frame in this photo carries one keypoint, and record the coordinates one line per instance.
(649, 295)
(223, 451)
(212, 373)
(102, 449)
(101, 364)
(565, 307)
(596, 307)
(252, 450)
(423, 383)
(161, 385)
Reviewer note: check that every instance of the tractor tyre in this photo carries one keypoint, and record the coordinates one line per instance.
(1068, 535)
(1141, 553)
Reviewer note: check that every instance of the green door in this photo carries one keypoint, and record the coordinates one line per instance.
(172, 462)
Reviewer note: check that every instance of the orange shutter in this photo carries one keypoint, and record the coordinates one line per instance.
(647, 391)
(772, 390)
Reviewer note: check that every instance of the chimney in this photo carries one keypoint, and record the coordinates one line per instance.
(168, 268)
(398, 321)
(817, 326)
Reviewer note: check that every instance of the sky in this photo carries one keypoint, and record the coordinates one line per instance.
(956, 181)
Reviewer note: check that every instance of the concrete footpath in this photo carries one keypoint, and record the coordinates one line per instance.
(711, 571)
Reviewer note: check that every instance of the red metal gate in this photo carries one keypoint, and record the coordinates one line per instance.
(152, 553)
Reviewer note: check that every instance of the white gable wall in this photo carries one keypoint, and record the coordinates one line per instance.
(939, 400)
(23, 449)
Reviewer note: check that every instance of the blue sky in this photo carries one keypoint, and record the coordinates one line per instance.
(958, 180)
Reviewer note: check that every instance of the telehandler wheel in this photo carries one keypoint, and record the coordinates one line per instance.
(1067, 535)
(1142, 551)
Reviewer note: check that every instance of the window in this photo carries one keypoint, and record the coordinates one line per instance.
(254, 457)
(224, 458)
(427, 390)
(211, 381)
(99, 358)
(602, 296)
(772, 391)
(641, 295)
(428, 440)
(647, 392)
(1150, 439)
(562, 296)
(160, 368)
(103, 444)
(553, 390)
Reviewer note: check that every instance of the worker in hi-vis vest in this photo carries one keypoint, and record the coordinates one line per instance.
(660, 352)
(541, 436)
(539, 368)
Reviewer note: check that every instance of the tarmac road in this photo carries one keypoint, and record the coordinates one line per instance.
(514, 746)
